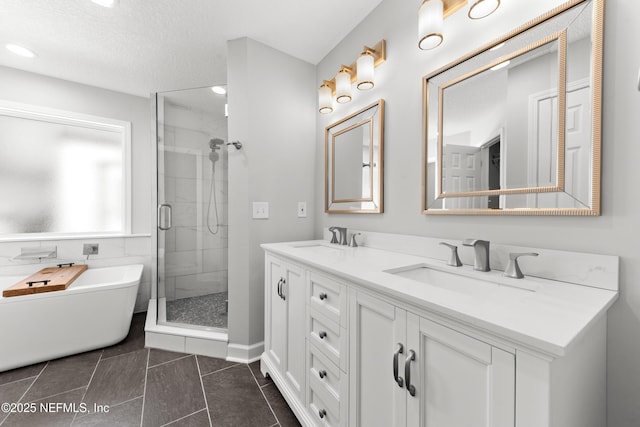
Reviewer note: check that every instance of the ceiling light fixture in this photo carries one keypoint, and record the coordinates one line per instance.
(219, 90)
(360, 72)
(20, 50)
(105, 3)
(432, 14)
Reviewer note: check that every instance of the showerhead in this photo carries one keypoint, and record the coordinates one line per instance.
(215, 143)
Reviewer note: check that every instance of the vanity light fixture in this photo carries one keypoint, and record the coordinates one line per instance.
(360, 72)
(432, 14)
(483, 8)
(343, 85)
(365, 66)
(20, 50)
(325, 100)
(430, 24)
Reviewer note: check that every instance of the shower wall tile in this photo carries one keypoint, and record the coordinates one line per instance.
(182, 263)
(184, 214)
(186, 190)
(169, 189)
(200, 284)
(170, 288)
(187, 239)
(169, 240)
(214, 260)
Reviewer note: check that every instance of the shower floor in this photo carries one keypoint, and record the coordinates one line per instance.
(206, 310)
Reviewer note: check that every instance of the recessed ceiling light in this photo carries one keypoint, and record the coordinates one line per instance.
(219, 90)
(20, 50)
(500, 65)
(105, 3)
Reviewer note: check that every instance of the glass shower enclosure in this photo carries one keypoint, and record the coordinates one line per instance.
(192, 209)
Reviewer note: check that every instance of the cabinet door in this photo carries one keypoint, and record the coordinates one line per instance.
(293, 290)
(459, 381)
(276, 315)
(375, 330)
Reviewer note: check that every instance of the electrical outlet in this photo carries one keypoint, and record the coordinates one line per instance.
(260, 210)
(302, 209)
(90, 249)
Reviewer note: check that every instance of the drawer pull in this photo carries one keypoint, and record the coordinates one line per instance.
(322, 374)
(396, 354)
(322, 296)
(322, 413)
(407, 372)
(322, 335)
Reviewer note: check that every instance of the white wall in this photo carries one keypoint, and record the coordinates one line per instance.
(271, 111)
(615, 232)
(29, 88)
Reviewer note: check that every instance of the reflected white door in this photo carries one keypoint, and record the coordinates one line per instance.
(543, 148)
(460, 173)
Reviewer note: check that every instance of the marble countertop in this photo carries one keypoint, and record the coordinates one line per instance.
(545, 315)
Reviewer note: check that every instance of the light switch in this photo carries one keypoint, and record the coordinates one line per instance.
(302, 209)
(260, 210)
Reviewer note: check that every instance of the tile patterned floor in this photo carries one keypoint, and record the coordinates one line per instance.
(142, 388)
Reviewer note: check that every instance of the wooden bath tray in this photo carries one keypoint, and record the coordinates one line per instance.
(46, 280)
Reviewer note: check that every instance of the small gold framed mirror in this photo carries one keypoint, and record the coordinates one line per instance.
(514, 128)
(354, 155)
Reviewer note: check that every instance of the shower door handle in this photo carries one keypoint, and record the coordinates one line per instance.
(164, 217)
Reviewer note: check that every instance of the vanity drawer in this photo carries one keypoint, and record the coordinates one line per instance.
(326, 373)
(328, 297)
(329, 338)
(324, 407)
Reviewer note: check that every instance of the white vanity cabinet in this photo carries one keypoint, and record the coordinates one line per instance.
(349, 344)
(285, 324)
(408, 370)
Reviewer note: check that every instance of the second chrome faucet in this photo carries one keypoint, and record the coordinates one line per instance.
(481, 248)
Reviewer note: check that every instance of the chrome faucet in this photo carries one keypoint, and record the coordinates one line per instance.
(513, 269)
(454, 259)
(481, 247)
(343, 235)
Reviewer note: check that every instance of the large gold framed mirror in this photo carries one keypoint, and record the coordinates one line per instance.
(514, 128)
(354, 154)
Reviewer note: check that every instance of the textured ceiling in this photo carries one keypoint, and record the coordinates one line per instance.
(144, 46)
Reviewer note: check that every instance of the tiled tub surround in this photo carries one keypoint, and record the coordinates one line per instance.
(548, 338)
(145, 387)
(93, 312)
(113, 251)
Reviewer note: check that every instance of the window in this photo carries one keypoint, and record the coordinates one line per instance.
(62, 173)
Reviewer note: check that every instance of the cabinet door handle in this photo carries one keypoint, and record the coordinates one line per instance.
(279, 288)
(411, 355)
(322, 374)
(284, 282)
(322, 296)
(322, 413)
(322, 335)
(396, 354)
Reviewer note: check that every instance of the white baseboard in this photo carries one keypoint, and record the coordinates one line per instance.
(244, 353)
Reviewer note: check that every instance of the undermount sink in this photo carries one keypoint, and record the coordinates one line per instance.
(459, 279)
(317, 248)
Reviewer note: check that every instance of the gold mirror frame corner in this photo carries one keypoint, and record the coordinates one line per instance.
(597, 29)
(329, 181)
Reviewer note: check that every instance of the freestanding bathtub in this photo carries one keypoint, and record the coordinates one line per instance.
(94, 312)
